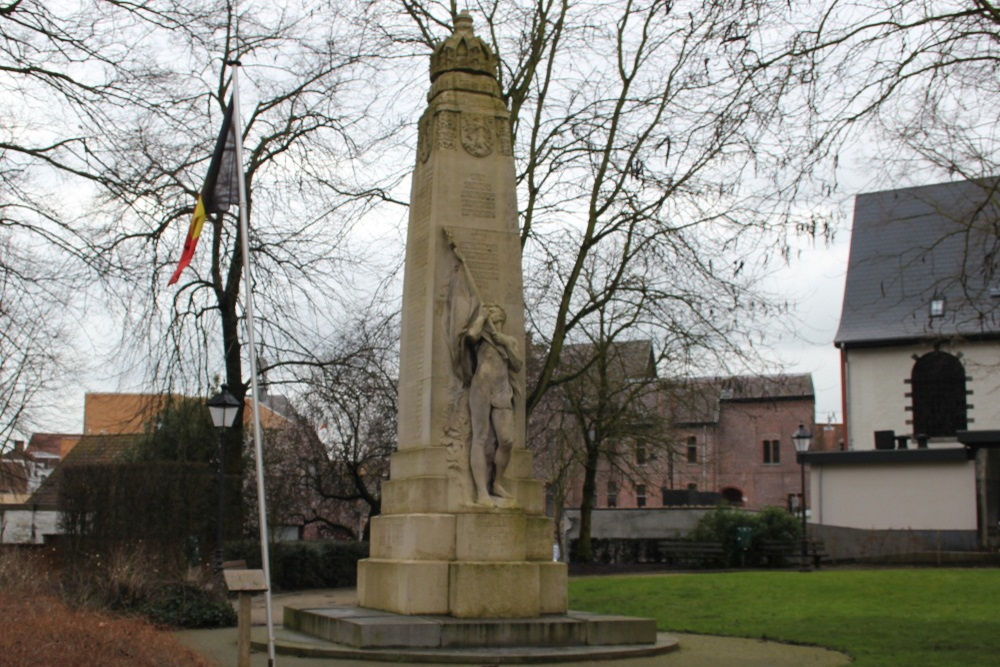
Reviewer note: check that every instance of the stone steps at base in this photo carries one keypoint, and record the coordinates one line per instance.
(289, 642)
(369, 628)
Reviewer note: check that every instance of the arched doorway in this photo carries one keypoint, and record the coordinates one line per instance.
(937, 383)
(733, 496)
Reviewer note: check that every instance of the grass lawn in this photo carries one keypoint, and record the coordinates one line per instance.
(883, 618)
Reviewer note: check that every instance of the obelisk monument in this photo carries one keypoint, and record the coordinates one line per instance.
(463, 530)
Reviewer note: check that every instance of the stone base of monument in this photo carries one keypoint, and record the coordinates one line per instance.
(356, 632)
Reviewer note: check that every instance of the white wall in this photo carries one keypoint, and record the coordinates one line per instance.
(23, 526)
(876, 391)
(915, 496)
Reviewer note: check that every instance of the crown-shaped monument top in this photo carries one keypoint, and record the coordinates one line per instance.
(463, 52)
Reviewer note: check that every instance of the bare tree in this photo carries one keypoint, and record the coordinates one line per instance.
(305, 132)
(49, 96)
(31, 335)
(916, 75)
(353, 403)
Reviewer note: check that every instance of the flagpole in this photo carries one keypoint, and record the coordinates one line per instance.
(251, 345)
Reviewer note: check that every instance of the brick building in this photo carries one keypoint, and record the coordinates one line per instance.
(713, 439)
(734, 438)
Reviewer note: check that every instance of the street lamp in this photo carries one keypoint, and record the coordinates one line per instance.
(801, 439)
(223, 408)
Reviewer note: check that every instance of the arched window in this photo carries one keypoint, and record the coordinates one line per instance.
(733, 496)
(937, 384)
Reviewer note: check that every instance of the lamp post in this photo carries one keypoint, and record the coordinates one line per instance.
(223, 408)
(801, 439)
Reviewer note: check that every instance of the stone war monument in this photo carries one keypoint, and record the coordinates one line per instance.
(463, 530)
(461, 556)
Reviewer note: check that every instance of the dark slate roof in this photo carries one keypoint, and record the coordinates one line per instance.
(631, 359)
(697, 401)
(912, 245)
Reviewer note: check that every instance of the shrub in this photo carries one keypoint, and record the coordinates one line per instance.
(188, 605)
(302, 565)
(163, 505)
(340, 562)
(773, 524)
(41, 629)
(128, 581)
(26, 570)
(297, 565)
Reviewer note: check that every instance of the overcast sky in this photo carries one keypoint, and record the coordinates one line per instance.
(815, 282)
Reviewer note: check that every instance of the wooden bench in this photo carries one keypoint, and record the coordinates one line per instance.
(776, 551)
(676, 552)
(817, 552)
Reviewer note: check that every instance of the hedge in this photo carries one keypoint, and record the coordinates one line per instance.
(302, 565)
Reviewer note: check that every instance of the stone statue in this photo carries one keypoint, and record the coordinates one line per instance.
(486, 360)
(491, 399)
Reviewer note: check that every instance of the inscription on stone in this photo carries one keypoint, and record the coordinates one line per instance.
(487, 253)
(422, 198)
(496, 532)
(481, 252)
(417, 260)
(478, 198)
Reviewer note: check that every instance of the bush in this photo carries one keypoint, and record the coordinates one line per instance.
(187, 605)
(25, 569)
(302, 565)
(773, 524)
(129, 581)
(162, 505)
(340, 562)
(41, 629)
(297, 565)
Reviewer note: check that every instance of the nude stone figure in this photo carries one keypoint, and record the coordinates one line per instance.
(491, 399)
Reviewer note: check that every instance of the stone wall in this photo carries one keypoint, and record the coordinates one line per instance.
(851, 544)
(652, 523)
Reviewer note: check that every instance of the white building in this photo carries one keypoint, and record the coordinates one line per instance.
(920, 351)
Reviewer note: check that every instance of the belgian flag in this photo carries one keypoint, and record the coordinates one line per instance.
(220, 191)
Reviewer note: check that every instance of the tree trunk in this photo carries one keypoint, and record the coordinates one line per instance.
(584, 549)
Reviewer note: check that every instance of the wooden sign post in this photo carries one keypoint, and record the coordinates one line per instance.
(246, 583)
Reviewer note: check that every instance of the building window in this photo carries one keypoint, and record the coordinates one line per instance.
(772, 452)
(937, 383)
(640, 495)
(612, 494)
(640, 454)
(692, 450)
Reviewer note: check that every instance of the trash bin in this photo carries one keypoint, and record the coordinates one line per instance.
(885, 439)
(744, 535)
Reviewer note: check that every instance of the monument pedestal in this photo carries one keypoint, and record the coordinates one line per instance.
(483, 563)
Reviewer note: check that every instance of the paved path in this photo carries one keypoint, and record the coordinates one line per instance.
(695, 650)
